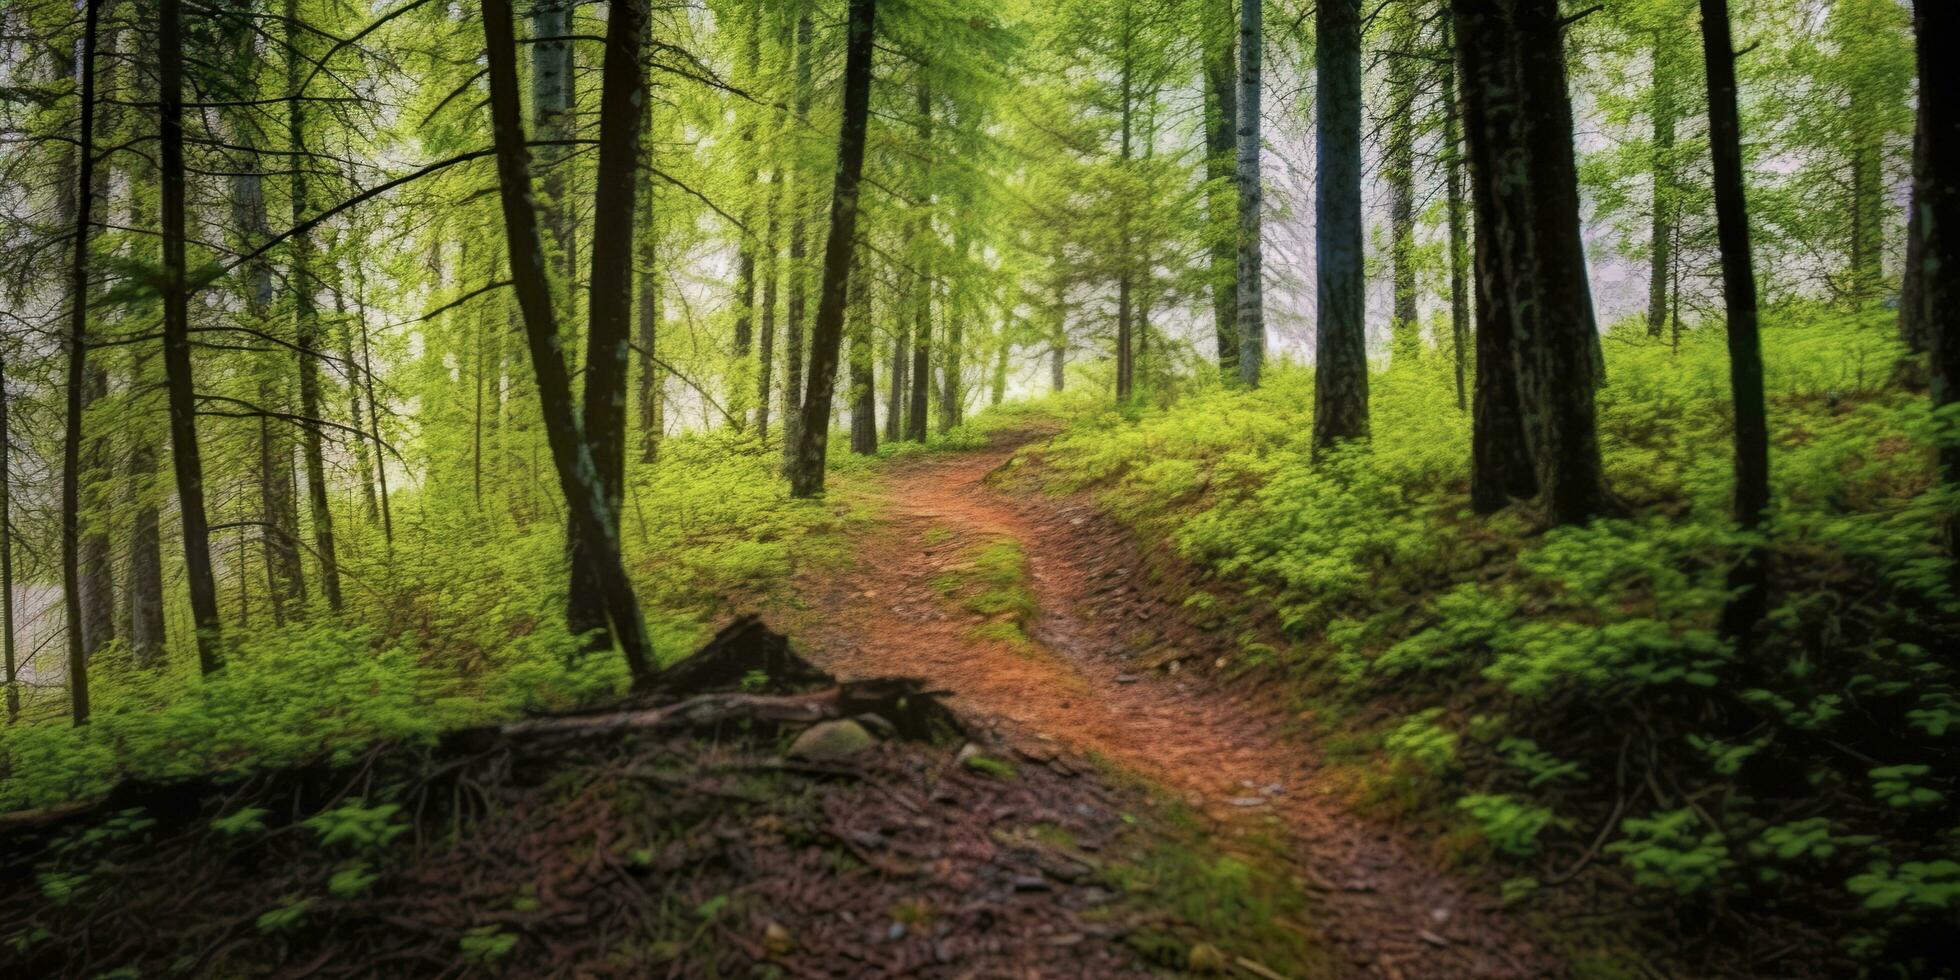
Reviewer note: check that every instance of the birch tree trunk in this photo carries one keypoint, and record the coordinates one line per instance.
(578, 477)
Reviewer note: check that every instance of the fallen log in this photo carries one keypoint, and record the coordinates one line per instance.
(913, 711)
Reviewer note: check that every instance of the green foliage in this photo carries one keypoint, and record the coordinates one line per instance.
(245, 820)
(287, 917)
(1510, 824)
(486, 945)
(1671, 850)
(1932, 885)
(1420, 740)
(1595, 651)
(1899, 786)
(353, 827)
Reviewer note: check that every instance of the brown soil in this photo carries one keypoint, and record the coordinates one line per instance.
(1083, 686)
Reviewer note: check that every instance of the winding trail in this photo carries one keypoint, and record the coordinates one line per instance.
(1083, 688)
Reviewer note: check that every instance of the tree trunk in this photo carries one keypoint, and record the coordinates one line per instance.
(807, 471)
(71, 455)
(917, 414)
(7, 623)
(1405, 329)
(900, 388)
(1000, 370)
(798, 233)
(766, 321)
(1542, 341)
(745, 252)
(1867, 203)
(1341, 339)
(653, 378)
(1660, 253)
(1221, 149)
(578, 476)
(864, 391)
(279, 512)
(609, 318)
(363, 460)
(306, 318)
(182, 390)
(1739, 289)
(1459, 225)
(554, 102)
(952, 394)
(374, 404)
(1914, 327)
(1938, 194)
(144, 594)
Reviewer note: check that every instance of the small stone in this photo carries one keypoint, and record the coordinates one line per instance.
(1432, 939)
(1127, 678)
(1031, 883)
(877, 725)
(1439, 915)
(1206, 958)
(831, 741)
(1248, 801)
(777, 940)
(896, 932)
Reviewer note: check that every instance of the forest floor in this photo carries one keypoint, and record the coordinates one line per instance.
(1036, 613)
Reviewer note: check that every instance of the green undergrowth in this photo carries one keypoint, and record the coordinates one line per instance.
(1525, 693)
(993, 582)
(1207, 899)
(460, 622)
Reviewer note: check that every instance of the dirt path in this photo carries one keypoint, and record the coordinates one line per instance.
(1383, 910)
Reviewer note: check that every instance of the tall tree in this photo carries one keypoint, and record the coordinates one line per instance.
(1250, 291)
(746, 245)
(807, 470)
(306, 314)
(1341, 340)
(182, 389)
(71, 456)
(863, 381)
(1219, 24)
(921, 373)
(7, 624)
(554, 114)
(651, 402)
(1535, 427)
(1459, 221)
(1399, 166)
(1126, 205)
(609, 318)
(1664, 111)
(794, 306)
(1937, 193)
(250, 230)
(1914, 329)
(578, 476)
(1739, 288)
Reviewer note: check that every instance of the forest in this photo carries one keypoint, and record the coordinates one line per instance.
(876, 488)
